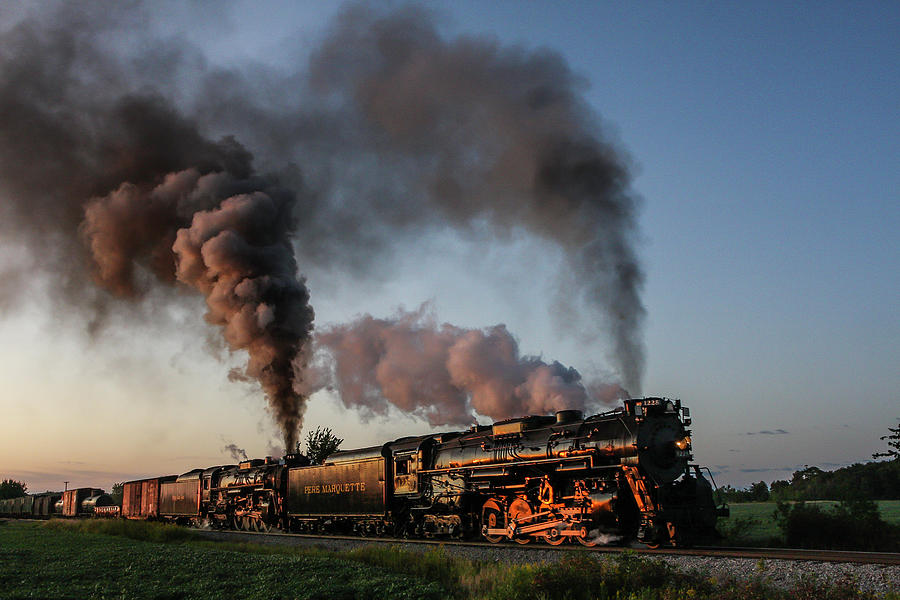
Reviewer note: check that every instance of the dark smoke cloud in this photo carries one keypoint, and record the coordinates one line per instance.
(120, 164)
(235, 250)
(442, 373)
(404, 130)
(465, 132)
(130, 187)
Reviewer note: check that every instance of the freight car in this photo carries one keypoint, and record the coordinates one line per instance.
(48, 504)
(140, 498)
(85, 502)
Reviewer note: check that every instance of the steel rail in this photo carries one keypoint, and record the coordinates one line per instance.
(844, 556)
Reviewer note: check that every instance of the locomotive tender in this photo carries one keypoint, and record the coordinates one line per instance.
(618, 476)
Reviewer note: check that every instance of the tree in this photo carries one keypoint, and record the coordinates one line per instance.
(893, 442)
(320, 444)
(759, 492)
(118, 491)
(12, 489)
(780, 490)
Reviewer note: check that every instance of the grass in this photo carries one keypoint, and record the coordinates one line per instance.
(756, 526)
(118, 559)
(143, 561)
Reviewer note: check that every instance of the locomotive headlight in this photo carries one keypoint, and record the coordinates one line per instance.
(684, 443)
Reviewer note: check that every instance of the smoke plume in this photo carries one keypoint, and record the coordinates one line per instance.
(442, 373)
(120, 165)
(235, 452)
(229, 239)
(467, 133)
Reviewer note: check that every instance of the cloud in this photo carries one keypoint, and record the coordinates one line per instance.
(767, 432)
(767, 469)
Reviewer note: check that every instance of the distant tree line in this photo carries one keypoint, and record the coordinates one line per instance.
(757, 492)
(874, 480)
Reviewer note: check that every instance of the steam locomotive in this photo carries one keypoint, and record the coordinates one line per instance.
(618, 476)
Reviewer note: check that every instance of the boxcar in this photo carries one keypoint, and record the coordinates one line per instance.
(350, 484)
(140, 498)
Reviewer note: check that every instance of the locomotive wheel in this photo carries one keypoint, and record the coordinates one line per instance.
(525, 539)
(492, 521)
(517, 510)
(586, 539)
(553, 538)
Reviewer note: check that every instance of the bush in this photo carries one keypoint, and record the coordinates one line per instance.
(736, 528)
(851, 525)
(135, 530)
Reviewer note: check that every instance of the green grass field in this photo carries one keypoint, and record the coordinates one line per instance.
(764, 530)
(41, 562)
(125, 560)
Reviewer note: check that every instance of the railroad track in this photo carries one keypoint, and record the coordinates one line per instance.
(882, 558)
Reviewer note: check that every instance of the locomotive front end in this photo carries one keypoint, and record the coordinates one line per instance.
(662, 447)
(674, 500)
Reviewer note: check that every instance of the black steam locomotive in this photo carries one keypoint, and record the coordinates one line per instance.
(618, 476)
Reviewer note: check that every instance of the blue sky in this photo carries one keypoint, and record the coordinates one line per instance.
(766, 144)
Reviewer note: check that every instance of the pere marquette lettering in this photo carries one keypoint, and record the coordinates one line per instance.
(335, 488)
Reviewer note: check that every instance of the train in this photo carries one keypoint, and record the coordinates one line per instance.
(80, 502)
(622, 476)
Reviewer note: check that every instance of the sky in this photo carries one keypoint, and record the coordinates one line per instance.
(764, 139)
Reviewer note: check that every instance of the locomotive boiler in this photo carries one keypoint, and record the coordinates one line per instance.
(619, 475)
